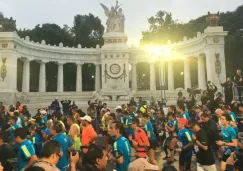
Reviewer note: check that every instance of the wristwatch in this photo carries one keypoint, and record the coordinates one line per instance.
(224, 144)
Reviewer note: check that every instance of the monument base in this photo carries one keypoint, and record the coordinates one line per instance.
(8, 98)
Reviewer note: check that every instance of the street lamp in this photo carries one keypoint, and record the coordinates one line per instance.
(160, 53)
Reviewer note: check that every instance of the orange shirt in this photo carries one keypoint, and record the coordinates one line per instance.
(141, 138)
(87, 134)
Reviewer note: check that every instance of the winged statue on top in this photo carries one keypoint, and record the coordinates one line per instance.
(115, 18)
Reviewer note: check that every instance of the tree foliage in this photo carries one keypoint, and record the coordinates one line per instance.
(163, 28)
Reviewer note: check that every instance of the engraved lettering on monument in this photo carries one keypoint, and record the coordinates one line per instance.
(115, 68)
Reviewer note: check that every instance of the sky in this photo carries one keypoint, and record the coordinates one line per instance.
(29, 13)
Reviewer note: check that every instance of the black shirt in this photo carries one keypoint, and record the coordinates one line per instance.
(6, 152)
(211, 129)
(66, 105)
(204, 157)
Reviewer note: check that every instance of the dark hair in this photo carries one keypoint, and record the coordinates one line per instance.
(169, 168)
(57, 126)
(204, 115)
(227, 117)
(15, 118)
(173, 107)
(71, 118)
(241, 105)
(35, 168)
(135, 120)
(144, 115)
(119, 125)
(125, 113)
(118, 110)
(192, 122)
(182, 106)
(3, 137)
(171, 114)
(104, 104)
(161, 112)
(49, 148)
(20, 132)
(95, 152)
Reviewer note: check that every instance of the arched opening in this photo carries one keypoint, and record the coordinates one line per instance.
(51, 77)
(34, 76)
(143, 76)
(69, 77)
(194, 72)
(178, 68)
(20, 65)
(88, 77)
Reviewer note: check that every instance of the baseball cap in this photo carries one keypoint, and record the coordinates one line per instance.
(46, 131)
(86, 118)
(118, 107)
(141, 164)
(183, 121)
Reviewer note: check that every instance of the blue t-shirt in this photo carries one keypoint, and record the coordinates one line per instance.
(37, 142)
(121, 147)
(173, 123)
(128, 130)
(228, 134)
(149, 127)
(65, 143)
(185, 137)
(43, 122)
(11, 132)
(26, 150)
(185, 115)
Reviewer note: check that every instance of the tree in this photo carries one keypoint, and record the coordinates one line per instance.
(163, 28)
(88, 30)
(51, 33)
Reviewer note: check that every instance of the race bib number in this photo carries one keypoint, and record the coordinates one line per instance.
(161, 133)
(196, 148)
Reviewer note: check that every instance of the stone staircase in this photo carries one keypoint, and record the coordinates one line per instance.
(34, 99)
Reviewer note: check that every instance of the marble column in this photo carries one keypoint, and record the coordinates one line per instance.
(79, 77)
(170, 76)
(42, 77)
(152, 77)
(60, 77)
(26, 76)
(134, 77)
(97, 77)
(201, 73)
(187, 74)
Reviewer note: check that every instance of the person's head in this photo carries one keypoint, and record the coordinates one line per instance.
(105, 105)
(51, 151)
(33, 129)
(118, 112)
(172, 109)
(74, 109)
(112, 116)
(56, 128)
(241, 107)
(20, 134)
(139, 113)
(1, 103)
(135, 123)
(160, 114)
(70, 120)
(182, 123)
(226, 109)
(13, 120)
(116, 128)
(100, 103)
(219, 112)
(228, 79)
(45, 134)
(171, 116)
(86, 120)
(145, 117)
(193, 125)
(225, 120)
(126, 114)
(96, 156)
(17, 103)
(196, 109)
(205, 117)
(238, 71)
(181, 109)
(169, 168)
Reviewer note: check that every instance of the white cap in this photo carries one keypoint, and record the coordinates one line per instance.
(118, 107)
(86, 118)
(42, 112)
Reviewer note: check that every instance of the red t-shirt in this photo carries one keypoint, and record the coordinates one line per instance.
(141, 138)
(87, 134)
